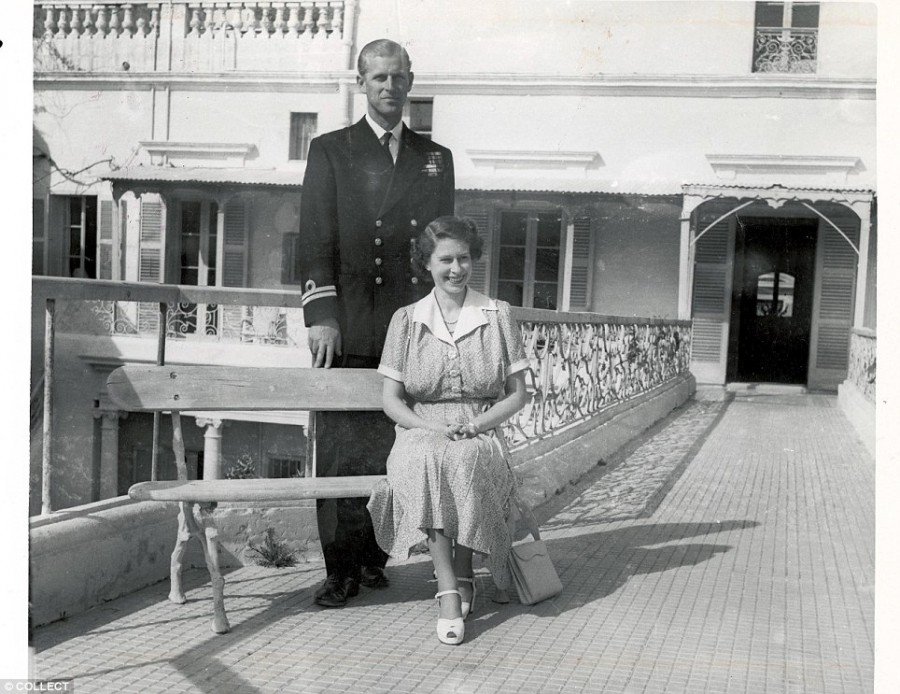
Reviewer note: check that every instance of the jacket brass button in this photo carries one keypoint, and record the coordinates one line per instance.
(378, 280)
(413, 222)
(378, 261)
(415, 280)
(378, 223)
(377, 242)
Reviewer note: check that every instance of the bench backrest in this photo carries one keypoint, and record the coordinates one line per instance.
(141, 388)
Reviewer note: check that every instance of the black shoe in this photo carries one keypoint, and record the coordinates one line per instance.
(335, 591)
(373, 577)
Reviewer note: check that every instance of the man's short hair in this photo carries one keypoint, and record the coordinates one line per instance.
(380, 48)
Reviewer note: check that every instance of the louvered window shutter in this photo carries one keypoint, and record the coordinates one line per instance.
(712, 288)
(481, 215)
(105, 241)
(234, 262)
(580, 273)
(834, 306)
(234, 270)
(150, 259)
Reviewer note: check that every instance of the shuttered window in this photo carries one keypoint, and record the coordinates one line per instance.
(581, 261)
(712, 270)
(836, 287)
(38, 237)
(481, 215)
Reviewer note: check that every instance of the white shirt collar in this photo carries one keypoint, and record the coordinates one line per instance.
(396, 131)
(471, 315)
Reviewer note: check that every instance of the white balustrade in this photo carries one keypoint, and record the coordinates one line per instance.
(205, 36)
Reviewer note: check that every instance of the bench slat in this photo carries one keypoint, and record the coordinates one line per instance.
(222, 388)
(293, 489)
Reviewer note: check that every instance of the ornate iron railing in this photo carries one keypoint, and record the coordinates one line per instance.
(584, 363)
(581, 363)
(269, 325)
(780, 49)
(861, 369)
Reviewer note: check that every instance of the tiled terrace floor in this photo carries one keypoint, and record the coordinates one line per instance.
(730, 550)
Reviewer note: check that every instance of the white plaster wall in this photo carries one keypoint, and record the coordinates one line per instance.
(598, 37)
(84, 126)
(259, 117)
(654, 144)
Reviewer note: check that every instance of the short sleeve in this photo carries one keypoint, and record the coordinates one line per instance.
(393, 358)
(511, 340)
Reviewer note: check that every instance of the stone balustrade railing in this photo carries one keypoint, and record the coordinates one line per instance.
(861, 367)
(192, 36)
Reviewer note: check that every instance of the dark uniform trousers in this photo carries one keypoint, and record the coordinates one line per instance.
(351, 443)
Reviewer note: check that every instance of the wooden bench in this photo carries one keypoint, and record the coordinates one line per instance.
(179, 389)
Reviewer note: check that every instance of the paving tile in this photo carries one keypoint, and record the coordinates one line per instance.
(730, 549)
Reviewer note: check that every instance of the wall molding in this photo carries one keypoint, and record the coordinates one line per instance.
(731, 166)
(494, 84)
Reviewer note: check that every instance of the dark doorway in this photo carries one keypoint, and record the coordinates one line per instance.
(772, 311)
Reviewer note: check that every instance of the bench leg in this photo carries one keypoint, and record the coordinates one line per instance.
(176, 592)
(210, 540)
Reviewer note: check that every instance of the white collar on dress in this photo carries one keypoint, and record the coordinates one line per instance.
(471, 315)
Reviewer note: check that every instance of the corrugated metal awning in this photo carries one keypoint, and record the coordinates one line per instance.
(205, 175)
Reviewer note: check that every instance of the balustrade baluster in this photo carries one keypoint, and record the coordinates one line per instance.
(114, 26)
(141, 27)
(195, 23)
(237, 22)
(265, 21)
(49, 22)
(128, 20)
(102, 23)
(88, 22)
(75, 25)
(294, 21)
(280, 24)
(209, 14)
(251, 23)
(337, 18)
(221, 20)
(154, 22)
(62, 24)
(308, 21)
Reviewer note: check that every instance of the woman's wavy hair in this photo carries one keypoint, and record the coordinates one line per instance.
(448, 227)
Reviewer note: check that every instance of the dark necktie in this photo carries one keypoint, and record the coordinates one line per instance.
(386, 146)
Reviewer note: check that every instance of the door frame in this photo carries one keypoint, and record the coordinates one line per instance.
(737, 281)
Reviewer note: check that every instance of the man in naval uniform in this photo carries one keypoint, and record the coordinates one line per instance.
(369, 189)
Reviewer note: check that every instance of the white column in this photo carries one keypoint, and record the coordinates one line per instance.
(109, 453)
(212, 447)
(862, 263)
(686, 256)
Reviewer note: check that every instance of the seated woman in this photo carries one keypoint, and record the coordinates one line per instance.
(454, 368)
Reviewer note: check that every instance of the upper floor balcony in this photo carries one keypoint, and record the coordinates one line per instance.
(191, 36)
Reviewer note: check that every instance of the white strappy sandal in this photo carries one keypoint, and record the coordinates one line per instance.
(467, 608)
(450, 631)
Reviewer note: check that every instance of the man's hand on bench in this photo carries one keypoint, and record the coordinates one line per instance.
(324, 343)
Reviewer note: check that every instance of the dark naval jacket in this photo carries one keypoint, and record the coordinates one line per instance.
(358, 216)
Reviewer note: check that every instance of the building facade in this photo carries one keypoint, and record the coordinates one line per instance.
(712, 161)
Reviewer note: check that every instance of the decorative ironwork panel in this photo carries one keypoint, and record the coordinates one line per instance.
(579, 369)
(861, 369)
(785, 50)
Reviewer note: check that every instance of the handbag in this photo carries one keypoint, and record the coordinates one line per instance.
(529, 563)
(532, 571)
